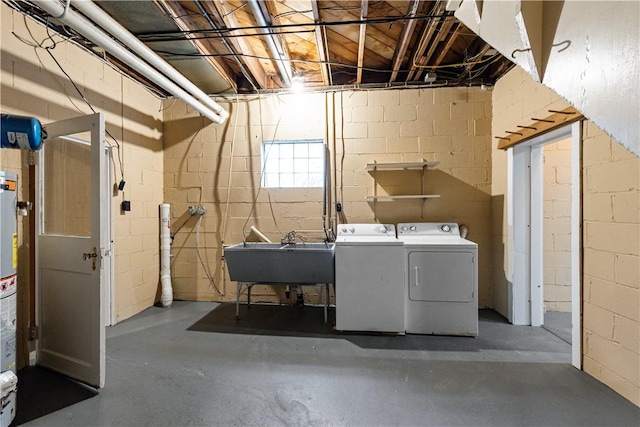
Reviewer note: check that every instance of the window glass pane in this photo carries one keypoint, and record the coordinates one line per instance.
(293, 163)
(316, 150)
(286, 165)
(286, 180)
(316, 180)
(301, 165)
(300, 180)
(271, 180)
(316, 165)
(301, 150)
(286, 151)
(67, 188)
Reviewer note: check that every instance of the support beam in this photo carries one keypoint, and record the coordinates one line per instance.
(321, 45)
(364, 9)
(425, 42)
(240, 44)
(186, 22)
(405, 37)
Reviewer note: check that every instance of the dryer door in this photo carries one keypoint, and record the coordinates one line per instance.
(441, 276)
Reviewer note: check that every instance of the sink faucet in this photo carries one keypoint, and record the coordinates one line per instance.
(290, 237)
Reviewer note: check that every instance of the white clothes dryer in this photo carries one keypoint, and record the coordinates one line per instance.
(441, 273)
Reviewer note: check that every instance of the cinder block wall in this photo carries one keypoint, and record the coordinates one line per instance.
(557, 226)
(451, 126)
(32, 85)
(611, 233)
(611, 337)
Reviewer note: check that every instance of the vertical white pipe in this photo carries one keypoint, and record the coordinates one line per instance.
(165, 255)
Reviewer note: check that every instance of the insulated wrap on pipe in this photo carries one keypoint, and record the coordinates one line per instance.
(165, 255)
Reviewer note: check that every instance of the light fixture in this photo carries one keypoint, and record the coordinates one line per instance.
(430, 77)
(297, 83)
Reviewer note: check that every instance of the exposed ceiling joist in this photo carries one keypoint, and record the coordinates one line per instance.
(249, 46)
(403, 43)
(240, 44)
(185, 21)
(361, 42)
(321, 45)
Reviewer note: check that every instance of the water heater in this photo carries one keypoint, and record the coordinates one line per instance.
(8, 294)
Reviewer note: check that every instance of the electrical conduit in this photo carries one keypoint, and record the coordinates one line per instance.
(102, 39)
(165, 255)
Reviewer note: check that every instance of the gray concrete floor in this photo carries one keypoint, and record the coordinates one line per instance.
(194, 364)
(559, 324)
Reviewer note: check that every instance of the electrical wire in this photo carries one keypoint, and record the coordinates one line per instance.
(40, 45)
(204, 266)
(264, 162)
(233, 143)
(272, 27)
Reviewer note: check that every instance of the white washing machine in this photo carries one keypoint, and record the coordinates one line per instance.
(441, 270)
(369, 278)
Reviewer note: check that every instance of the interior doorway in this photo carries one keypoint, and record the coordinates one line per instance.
(556, 238)
(534, 248)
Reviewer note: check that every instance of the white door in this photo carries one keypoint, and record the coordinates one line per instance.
(71, 249)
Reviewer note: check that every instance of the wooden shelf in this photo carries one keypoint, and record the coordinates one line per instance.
(407, 165)
(404, 197)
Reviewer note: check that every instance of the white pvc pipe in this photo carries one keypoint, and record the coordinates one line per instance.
(100, 17)
(102, 39)
(271, 42)
(165, 255)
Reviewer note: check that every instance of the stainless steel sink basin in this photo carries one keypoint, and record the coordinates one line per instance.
(294, 263)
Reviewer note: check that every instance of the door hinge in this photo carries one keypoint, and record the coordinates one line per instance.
(33, 333)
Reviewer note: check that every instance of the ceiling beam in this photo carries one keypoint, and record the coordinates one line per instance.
(220, 11)
(440, 36)
(425, 41)
(364, 9)
(321, 45)
(187, 22)
(451, 37)
(477, 57)
(405, 37)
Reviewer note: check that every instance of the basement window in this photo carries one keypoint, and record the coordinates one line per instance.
(293, 163)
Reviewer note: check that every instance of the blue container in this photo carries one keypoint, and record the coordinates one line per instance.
(22, 133)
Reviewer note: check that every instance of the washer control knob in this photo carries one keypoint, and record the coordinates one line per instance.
(404, 228)
(352, 230)
(343, 230)
(381, 229)
(413, 228)
(446, 228)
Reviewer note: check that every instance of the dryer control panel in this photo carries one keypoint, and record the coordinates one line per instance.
(429, 229)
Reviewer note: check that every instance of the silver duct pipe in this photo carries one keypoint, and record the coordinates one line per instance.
(271, 42)
(212, 110)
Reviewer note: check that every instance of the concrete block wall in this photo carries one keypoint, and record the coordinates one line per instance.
(610, 177)
(32, 85)
(557, 226)
(611, 182)
(359, 127)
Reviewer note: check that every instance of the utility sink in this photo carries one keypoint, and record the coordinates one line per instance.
(294, 263)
